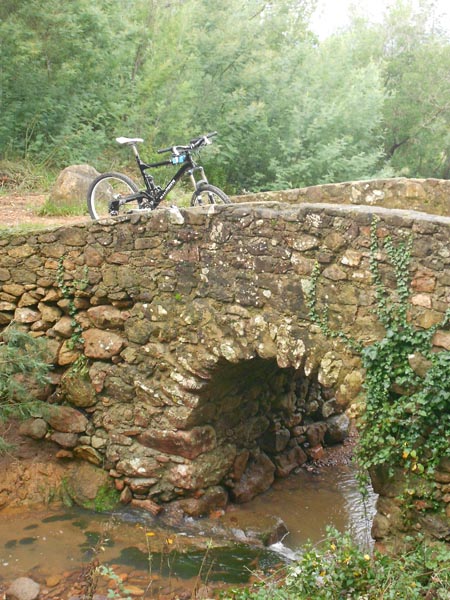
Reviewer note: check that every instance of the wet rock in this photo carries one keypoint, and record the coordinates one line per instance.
(274, 442)
(338, 428)
(23, 588)
(257, 478)
(206, 470)
(287, 462)
(315, 433)
(188, 444)
(214, 498)
(91, 488)
(34, 428)
(316, 452)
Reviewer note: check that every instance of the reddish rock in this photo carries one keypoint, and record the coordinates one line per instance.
(442, 339)
(315, 453)
(287, 462)
(100, 344)
(214, 498)
(274, 442)
(66, 440)
(258, 477)
(315, 433)
(188, 444)
(34, 428)
(26, 315)
(106, 317)
(423, 283)
(138, 466)
(65, 419)
(147, 505)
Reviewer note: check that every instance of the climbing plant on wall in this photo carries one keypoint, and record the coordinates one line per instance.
(406, 421)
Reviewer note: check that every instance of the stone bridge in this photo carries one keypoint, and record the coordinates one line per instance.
(185, 360)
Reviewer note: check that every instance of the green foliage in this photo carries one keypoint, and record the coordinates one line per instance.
(23, 371)
(407, 416)
(406, 419)
(290, 111)
(68, 288)
(107, 498)
(338, 569)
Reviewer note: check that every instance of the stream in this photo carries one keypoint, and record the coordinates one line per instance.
(49, 545)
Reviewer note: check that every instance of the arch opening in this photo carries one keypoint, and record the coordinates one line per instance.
(276, 419)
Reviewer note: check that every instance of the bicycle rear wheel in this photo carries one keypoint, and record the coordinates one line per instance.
(208, 194)
(106, 192)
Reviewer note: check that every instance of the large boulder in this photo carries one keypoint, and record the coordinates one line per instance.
(72, 185)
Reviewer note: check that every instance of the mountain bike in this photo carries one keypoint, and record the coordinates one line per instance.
(109, 193)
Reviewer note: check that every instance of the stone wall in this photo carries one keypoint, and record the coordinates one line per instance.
(427, 195)
(201, 376)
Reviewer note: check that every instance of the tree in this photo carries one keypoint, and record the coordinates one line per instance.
(414, 56)
(61, 71)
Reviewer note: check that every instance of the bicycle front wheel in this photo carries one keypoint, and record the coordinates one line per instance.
(208, 194)
(106, 194)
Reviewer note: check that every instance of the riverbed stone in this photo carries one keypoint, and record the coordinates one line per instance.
(214, 498)
(257, 478)
(91, 487)
(23, 588)
(206, 470)
(338, 428)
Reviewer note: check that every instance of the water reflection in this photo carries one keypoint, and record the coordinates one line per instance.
(306, 502)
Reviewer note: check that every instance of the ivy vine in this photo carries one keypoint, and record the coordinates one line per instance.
(406, 421)
(68, 292)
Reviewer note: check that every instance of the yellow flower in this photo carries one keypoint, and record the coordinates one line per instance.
(150, 534)
(333, 547)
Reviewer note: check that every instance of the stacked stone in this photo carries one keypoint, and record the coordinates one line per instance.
(203, 374)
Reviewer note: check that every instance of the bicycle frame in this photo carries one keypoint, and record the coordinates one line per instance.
(156, 194)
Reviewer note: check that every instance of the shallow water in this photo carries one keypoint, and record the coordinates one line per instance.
(49, 543)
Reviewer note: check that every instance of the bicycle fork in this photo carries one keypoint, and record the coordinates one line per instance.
(197, 182)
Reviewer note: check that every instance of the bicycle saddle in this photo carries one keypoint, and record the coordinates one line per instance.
(129, 141)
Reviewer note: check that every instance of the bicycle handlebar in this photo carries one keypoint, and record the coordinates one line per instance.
(194, 143)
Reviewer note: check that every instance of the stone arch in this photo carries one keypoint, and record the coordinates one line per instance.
(251, 400)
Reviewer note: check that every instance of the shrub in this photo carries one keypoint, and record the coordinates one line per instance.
(23, 371)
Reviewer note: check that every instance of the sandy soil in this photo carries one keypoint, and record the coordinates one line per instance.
(21, 210)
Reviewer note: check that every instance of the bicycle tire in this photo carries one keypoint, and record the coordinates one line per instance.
(104, 189)
(207, 194)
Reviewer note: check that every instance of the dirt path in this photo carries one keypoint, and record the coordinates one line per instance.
(21, 210)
